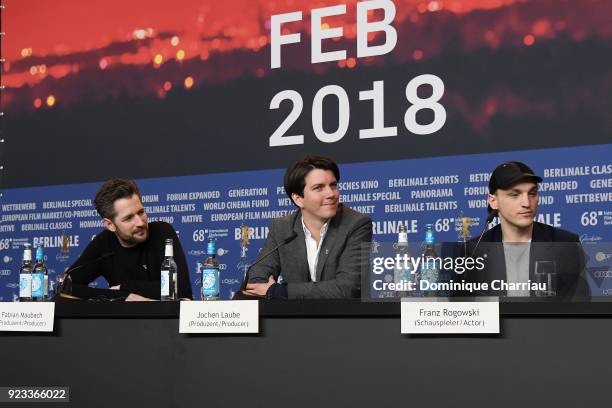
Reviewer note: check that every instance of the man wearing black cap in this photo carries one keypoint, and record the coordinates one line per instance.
(513, 197)
(527, 245)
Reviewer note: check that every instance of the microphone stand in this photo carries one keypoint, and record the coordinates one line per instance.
(490, 218)
(65, 277)
(240, 294)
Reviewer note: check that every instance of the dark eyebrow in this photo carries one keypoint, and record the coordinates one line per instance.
(127, 217)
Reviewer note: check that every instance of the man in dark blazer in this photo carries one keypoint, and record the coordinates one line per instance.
(513, 197)
(319, 247)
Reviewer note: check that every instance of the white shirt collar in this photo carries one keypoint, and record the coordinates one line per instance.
(313, 248)
(322, 232)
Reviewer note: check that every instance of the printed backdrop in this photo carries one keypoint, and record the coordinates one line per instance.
(205, 103)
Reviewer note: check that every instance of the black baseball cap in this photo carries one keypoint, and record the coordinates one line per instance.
(505, 176)
(510, 173)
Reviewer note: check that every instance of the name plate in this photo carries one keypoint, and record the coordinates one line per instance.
(27, 316)
(220, 316)
(431, 316)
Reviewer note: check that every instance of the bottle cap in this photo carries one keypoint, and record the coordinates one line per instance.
(211, 247)
(40, 254)
(27, 252)
(429, 234)
(169, 249)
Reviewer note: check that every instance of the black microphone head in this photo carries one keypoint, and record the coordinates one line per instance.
(492, 214)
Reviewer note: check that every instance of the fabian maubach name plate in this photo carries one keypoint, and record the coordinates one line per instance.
(221, 316)
(27, 316)
(428, 316)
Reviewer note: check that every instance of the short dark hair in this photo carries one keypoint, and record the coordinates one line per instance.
(295, 176)
(112, 191)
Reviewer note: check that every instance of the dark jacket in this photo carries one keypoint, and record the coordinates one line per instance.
(339, 264)
(547, 244)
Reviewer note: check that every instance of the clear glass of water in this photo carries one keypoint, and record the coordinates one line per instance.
(546, 276)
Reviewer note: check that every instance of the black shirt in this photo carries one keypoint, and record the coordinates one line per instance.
(136, 269)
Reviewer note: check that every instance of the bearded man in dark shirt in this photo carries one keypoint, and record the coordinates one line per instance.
(129, 253)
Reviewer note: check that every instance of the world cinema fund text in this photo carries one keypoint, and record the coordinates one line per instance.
(459, 266)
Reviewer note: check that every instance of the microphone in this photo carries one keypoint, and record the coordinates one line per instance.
(492, 214)
(66, 276)
(246, 274)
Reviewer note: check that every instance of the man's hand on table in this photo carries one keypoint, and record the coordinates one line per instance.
(259, 289)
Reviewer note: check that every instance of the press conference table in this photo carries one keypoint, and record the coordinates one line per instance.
(313, 353)
(321, 308)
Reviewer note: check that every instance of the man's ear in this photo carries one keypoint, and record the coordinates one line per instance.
(492, 201)
(109, 225)
(297, 199)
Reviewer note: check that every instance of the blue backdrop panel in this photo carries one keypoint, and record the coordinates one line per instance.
(576, 194)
